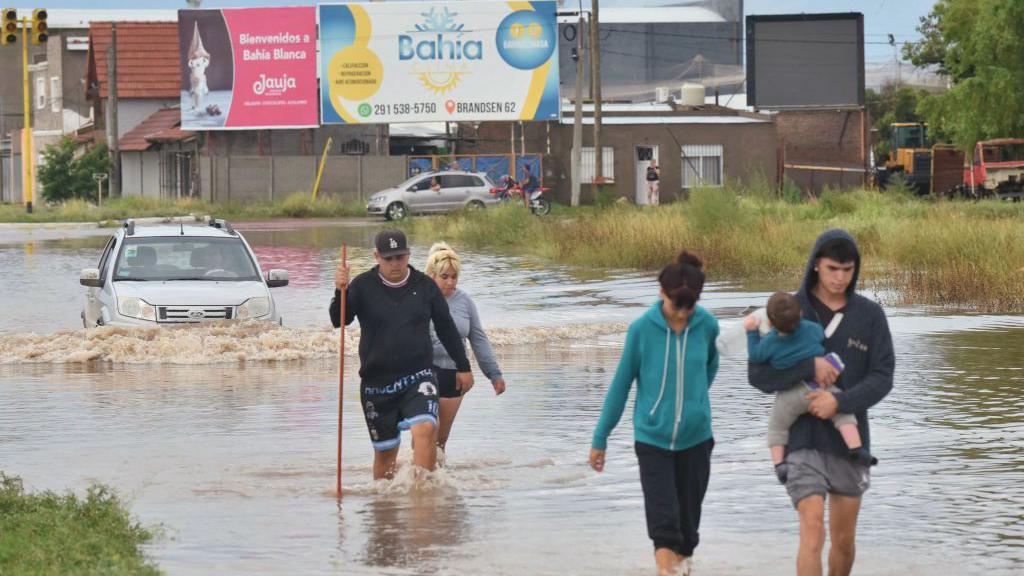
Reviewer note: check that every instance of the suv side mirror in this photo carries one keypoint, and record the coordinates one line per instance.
(90, 277)
(277, 278)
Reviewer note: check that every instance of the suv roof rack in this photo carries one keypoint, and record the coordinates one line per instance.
(221, 224)
(129, 226)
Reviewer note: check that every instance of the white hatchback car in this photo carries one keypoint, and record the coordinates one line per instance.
(433, 192)
(178, 274)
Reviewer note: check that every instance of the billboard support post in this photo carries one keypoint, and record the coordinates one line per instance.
(577, 125)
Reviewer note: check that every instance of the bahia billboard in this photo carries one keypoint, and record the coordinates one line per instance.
(438, 61)
(248, 68)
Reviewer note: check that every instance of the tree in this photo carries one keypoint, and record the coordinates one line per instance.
(63, 176)
(979, 45)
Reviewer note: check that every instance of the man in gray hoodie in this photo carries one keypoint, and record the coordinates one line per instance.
(817, 461)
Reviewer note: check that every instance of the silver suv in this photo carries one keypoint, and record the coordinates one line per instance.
(177, 274)
(433, 192)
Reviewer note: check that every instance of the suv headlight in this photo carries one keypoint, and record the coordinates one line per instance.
(376, 200)
(136, 308)
(254, 308)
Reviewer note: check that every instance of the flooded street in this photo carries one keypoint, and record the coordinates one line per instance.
(234, 460)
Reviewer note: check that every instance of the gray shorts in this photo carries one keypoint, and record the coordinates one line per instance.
(814, 472)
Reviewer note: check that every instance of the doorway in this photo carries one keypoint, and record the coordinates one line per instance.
(644, 155)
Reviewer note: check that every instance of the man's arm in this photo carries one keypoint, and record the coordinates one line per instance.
(446, 330)
(335, 308)
(767, 379)
(878, 382)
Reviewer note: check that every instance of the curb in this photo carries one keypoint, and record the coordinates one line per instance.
(190, 219)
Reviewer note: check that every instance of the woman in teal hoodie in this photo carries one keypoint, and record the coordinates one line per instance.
(670, 353)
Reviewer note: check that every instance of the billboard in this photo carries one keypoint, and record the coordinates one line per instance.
(248, 68)
(421, 62)
(805, 60)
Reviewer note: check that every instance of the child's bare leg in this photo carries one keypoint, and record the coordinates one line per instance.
(850, 435)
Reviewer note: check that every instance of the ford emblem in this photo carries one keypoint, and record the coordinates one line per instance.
(196, 315)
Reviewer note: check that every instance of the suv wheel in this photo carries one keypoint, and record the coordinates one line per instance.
(396, 211)
(476, 205)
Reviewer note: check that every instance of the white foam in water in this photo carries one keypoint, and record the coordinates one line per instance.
(230, 342)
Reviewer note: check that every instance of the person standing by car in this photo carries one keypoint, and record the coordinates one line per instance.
(445, 267)
(396, 304)
(818, 463)
(670, 353)
(653, 182)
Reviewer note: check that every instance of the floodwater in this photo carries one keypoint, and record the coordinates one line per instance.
(224, 437)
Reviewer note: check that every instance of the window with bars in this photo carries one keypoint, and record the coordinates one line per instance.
(588, 158)
(702, 165)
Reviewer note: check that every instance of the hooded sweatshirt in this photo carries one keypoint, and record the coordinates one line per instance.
(862, 340)
(673, 374)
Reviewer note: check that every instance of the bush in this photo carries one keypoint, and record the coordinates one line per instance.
(62, 176)
(50, 533)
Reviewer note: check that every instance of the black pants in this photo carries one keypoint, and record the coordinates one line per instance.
(674, 483)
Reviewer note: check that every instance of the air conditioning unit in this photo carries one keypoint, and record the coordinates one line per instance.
(661, 94)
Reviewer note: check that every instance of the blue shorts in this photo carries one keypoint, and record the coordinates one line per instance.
(400, 405)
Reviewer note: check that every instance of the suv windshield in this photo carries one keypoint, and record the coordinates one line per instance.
(184, 258)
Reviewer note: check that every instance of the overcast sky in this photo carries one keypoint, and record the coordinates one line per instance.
(881, 17)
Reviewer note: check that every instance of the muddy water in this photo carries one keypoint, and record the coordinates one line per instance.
(234, 457)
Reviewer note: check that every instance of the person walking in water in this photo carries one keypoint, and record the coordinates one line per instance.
(791, 339)
(395, 304)
(818, 462)
(445, 267)
(670, 353)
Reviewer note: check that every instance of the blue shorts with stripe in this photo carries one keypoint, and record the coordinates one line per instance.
(400, 405)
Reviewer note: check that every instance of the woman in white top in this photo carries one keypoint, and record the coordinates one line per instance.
(444, 266)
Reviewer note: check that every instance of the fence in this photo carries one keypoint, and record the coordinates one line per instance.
(814, 179)
(270, 178)
(495, 165)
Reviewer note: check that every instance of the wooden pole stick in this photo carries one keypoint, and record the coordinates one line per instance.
(341, 363)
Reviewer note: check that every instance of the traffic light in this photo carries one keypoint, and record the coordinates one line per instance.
(40, 31)
(10, 26)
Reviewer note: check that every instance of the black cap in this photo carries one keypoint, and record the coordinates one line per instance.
(391, 243)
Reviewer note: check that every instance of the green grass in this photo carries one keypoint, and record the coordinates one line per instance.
(298, 205)
(967, 255)
(47, 533)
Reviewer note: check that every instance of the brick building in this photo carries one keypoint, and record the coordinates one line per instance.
(694, 145)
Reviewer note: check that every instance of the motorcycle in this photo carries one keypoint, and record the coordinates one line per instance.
(511, 190)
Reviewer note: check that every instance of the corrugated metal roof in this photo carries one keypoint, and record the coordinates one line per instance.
(651, 15)
(612, 120)
(147, 59)
(72, 18)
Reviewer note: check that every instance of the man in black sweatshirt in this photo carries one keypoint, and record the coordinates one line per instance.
(817, 462)
(395, 304)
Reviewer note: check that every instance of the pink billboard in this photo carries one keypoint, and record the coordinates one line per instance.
(248, 68)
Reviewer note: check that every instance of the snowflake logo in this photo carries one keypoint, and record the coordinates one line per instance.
(439, 22)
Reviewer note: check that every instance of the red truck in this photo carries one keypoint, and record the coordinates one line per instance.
(997, 170)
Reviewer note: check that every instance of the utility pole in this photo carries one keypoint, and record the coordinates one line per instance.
(595, 78)
(577, 126)
(26, 131)
(115, 157)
